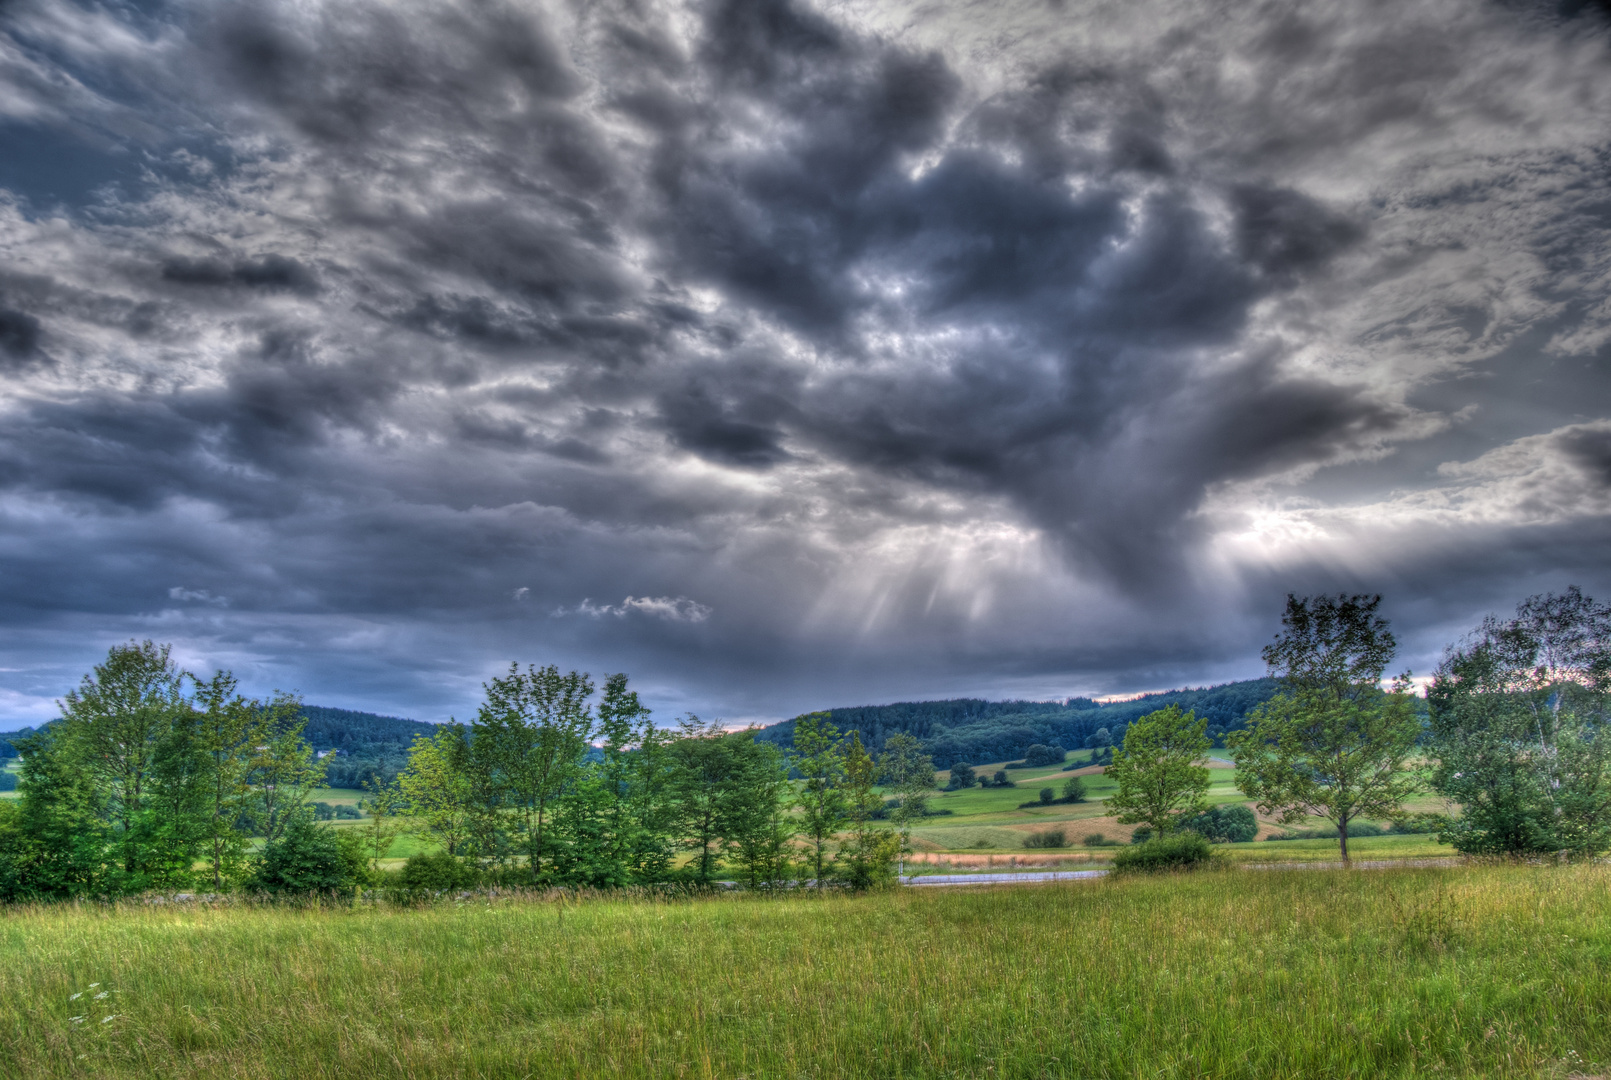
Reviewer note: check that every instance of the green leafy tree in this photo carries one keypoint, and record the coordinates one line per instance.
(909, 772)
(1157, 771)
(867, 858)
(703, 765)
(228, 731)
(1518, 730)
(963, 776)
(759, 830)
(819, 759)
(385, 824)
(435, 794)
(126, 727)
(526, 748)
(1332, 743)
(601, 823)
(1074, 790)
(284, 771)
(59, 839)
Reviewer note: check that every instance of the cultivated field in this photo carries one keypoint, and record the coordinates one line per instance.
(1475, 971)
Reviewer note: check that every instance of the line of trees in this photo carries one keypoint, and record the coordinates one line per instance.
(1515, 736)
(154, 779)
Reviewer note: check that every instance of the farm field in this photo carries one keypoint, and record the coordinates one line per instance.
(1473, 971)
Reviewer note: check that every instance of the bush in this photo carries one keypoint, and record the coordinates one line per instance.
(1073, 790)
(437, 872)
(1000, 779)
(1355, 829)
(1178, 851)
(1097, 839)
(1047, 795)
(1040, 755)
(310, 857)
(1050, 838)
(1224, 824)
(962, 776)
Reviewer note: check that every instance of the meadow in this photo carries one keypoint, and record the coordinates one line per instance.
(1472, 971)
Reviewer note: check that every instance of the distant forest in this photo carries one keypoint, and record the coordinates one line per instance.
(369, 747)
(971, 730)
(375, 748)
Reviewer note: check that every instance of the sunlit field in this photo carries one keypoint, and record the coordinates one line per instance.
(1475, 971)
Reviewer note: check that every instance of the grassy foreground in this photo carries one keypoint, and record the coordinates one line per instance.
(1498, 971)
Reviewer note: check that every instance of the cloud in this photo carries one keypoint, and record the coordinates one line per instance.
(1029, 351)
(680, 609)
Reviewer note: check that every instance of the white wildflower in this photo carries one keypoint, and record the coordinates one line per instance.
(78, 1019)
(78, 995)
(108, 1019)
(102, 994)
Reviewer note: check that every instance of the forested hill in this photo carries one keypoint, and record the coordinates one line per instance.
(970, 730)
(368, 746)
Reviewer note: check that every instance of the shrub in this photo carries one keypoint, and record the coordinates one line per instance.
(1097, 839)
(1224, 824)
(1178, 851)
(962, 775)
(1040, 755)
(1073, 790)
(1050, 838)
(1141, 835)
(1000, 779)
(437, 871)
(1047, 796)
(309, 857)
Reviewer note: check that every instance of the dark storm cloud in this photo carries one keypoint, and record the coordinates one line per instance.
(269, 272)
(781, 354)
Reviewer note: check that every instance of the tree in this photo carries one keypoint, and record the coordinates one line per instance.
(867, 858)
(384, 825)
(909, 772)
(1224, 824)
(1332, 743)
(703, 763)
(1040, 755)
(1074, 790)
(435, 794)
(1518, 730)
(963, 776)
(229, 729)
(284, 770)
(1157, 771)
(526, 747)
(125, 726)
(758, 829)
(820, 761)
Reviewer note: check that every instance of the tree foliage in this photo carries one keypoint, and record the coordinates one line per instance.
(1519, 730)
(1332, 743)
(1157, 772)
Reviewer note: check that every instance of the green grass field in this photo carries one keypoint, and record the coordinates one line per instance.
(1476, 971)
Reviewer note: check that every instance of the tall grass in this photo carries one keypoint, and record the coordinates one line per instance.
(1497, 971)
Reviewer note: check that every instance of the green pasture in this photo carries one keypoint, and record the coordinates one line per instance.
(1470, 972)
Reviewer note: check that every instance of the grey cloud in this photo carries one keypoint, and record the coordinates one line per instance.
(269, 272)
(919, 380)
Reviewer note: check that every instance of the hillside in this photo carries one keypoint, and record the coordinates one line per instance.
(967, 729)
(369, 746)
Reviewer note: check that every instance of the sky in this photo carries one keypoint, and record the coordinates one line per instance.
(787, 355)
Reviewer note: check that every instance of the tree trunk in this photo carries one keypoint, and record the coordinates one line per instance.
(1342, 835)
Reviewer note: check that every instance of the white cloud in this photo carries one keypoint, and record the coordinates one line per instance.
(671, 609)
